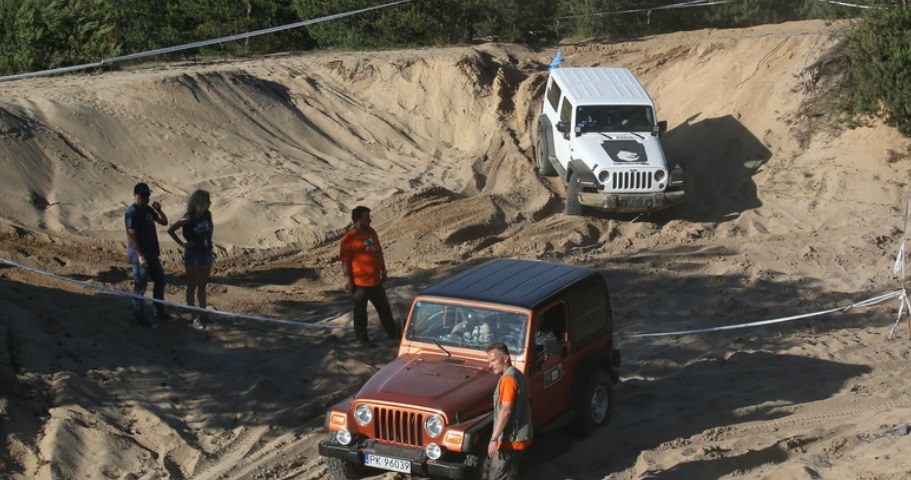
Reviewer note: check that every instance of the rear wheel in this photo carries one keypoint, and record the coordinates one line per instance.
(544, 166)
(573, 207)
(596, 407)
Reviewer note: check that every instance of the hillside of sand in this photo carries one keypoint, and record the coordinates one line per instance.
(787, 213)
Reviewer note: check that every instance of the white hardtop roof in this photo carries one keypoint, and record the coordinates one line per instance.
(600, 86)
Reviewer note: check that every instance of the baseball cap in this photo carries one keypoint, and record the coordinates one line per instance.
(141, 188)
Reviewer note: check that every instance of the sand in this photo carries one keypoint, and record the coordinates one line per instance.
(788, 212)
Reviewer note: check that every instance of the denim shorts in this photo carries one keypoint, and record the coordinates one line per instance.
(195, 258)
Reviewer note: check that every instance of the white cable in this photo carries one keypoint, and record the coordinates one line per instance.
(691, 4)
(845, 4)
(202, 43)
(120, 293)
(862, 303)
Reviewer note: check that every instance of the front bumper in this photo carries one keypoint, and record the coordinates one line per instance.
(420, 464)
(631, 202)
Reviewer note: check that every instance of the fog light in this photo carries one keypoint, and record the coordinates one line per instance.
(433, 451)
(343, 437)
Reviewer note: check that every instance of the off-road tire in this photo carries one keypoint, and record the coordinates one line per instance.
(544, 166)
(573, 188)
(480, 466)
(342, 470)
(596, 406)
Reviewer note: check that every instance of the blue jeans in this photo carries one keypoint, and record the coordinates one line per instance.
(141, 275)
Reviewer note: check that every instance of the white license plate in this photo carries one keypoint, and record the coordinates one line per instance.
(387, 463)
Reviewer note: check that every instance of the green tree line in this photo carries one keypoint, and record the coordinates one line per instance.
(45, 34)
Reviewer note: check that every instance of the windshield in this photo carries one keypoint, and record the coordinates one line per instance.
(619, 118)
(466, 327)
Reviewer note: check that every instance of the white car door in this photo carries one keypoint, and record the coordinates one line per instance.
(561, 140)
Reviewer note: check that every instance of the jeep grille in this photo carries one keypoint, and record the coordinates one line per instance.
(630, 181)
(398, 426)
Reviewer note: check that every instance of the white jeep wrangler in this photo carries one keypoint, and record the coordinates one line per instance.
(598, 131)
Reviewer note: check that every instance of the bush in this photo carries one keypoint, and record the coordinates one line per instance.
(879, 50)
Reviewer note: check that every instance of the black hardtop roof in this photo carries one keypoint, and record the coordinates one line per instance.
(518, 283)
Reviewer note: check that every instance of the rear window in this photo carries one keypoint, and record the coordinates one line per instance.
(553, 95)
(589, 312)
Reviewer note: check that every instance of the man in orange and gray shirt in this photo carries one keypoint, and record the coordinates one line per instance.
(365, 271)
(512, 431)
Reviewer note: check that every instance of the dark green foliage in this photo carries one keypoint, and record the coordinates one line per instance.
(879, 49)
(44, 34)
(430, 22)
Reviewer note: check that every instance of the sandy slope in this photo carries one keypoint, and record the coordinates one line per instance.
(787, 213)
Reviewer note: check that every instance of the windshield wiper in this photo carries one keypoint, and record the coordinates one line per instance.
(441, 347)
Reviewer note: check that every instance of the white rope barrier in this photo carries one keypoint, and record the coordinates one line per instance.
(845, 4)
(649, 10)
(862, 303)
(202, 43)
(208, 311)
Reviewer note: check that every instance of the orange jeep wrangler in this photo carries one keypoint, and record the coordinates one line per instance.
(429, 411)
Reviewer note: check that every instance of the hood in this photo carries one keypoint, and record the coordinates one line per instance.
(608, 150)
(435, 382)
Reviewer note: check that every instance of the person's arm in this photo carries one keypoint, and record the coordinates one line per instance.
(134, 240)
(383, 275)
(349, 276)
(172, 231)
(508, 393)
(345, 256)
(161, 218)
(498, 427)
(379, 255)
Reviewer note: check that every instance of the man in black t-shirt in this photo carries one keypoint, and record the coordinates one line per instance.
(143, 251)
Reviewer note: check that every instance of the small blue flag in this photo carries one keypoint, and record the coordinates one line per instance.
(558, 58)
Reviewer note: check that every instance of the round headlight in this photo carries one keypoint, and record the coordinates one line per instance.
(603, 176)
(434, 425)
(433, 451)
(659, 175)
(343, 436)
(363, 414)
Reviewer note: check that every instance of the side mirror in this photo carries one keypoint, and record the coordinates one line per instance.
(660, 128)
(562, 127)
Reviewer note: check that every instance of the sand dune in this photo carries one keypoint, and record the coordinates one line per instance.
(788, 212)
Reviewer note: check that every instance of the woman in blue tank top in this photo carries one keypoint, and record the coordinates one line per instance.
(197, 227)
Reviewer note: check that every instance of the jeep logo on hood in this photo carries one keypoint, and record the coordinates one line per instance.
(625, 151)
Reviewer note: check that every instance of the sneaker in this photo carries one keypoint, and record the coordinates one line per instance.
(366, 343)
(164, 316)
(198, 323)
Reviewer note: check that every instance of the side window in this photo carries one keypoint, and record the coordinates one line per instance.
(550, 332)
(566, 112)
(553, 95)
(589, 312)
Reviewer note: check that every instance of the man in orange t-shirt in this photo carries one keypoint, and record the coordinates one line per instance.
(512, 430)
(365, 270)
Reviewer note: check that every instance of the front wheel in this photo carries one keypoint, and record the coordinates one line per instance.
(597, 403)
(342, 470)
(573, 189)
(480, 466)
